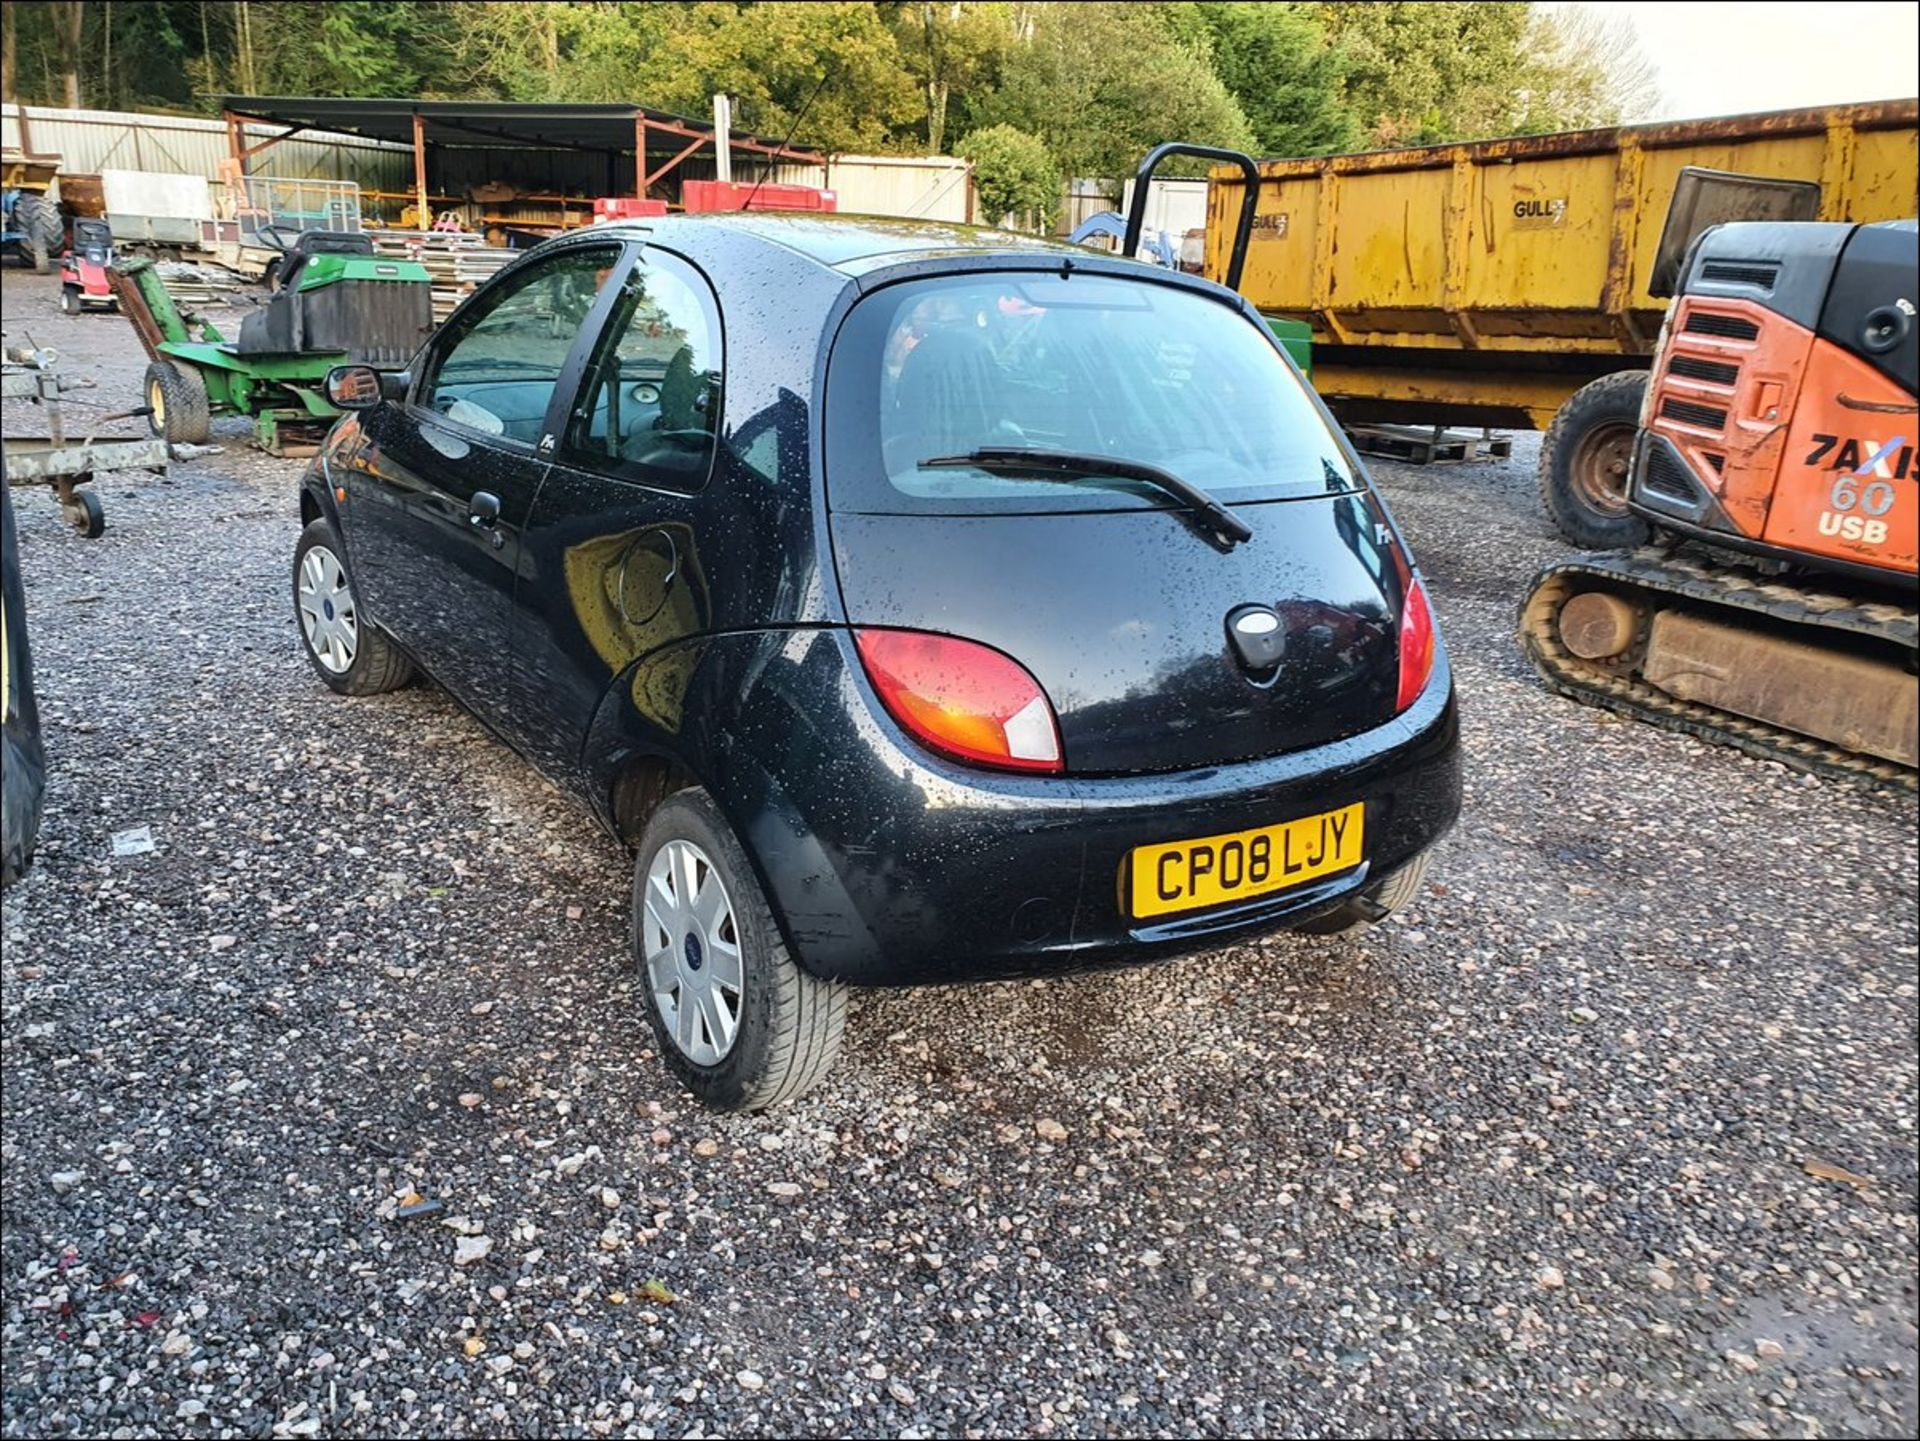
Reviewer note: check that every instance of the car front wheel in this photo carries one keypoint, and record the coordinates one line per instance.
(351, 654)
(737, 1020)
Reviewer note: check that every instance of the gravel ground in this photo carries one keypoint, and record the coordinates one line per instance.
(1530, 1159)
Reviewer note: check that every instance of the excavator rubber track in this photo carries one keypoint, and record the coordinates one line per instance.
(1725, 592)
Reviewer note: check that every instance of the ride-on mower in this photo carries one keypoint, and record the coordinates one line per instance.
(338, 303)
(83, 269)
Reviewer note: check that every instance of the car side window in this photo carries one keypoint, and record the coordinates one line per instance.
(496, 369)
(649, 409)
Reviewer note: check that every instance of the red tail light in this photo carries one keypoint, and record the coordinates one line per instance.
(1416, 645)
(962, 699)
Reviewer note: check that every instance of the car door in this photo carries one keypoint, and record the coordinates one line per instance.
(612, 556)
(441, 490)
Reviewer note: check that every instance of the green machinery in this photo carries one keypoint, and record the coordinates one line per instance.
(1296, 338)
(338, 303)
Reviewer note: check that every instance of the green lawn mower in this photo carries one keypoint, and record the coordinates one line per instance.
(338, 303)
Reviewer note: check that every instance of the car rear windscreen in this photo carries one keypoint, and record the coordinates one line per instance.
(1096, 365)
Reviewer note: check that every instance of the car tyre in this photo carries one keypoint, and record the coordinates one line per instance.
(1372, 905)
(352, 655)
(786, 1024)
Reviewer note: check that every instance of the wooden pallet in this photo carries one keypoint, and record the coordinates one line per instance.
(455, 262)
(1428, 444)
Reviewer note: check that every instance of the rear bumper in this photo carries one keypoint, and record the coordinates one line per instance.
(886, 866)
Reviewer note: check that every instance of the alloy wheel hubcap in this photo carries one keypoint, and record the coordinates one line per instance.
(328, 618)
(690, 945)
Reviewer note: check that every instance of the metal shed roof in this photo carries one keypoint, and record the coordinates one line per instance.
(499, 124)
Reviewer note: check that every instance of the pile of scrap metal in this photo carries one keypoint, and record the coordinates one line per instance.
(207, 283)
(48, 457)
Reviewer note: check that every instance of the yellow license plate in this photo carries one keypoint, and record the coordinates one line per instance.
(1219, 870)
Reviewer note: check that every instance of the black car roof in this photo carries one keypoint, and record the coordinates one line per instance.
(849, 243)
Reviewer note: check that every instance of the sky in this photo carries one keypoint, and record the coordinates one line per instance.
(1724, 58)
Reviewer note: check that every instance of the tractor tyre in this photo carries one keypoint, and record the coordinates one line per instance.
(38, 218)
(177, 395)
(70, 299)
(1586, 463)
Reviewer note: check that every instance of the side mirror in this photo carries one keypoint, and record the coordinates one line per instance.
(353, 387)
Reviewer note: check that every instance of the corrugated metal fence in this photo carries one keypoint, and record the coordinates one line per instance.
(930, 187)
(89, 141)
(1175, 206)
(1080, 199)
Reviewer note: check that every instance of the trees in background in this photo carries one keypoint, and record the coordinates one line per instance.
(1093, 85)
(1417, 74)
(1280, 65)
(1101, 84)
(1422, 73)
(950, 50)
(1013, 173)
(1583, 68)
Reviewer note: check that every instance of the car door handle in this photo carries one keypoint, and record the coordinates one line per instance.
(483, 511)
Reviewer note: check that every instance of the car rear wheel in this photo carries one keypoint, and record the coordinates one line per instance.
(1372, 905)
(351, 654)
(736, 1019)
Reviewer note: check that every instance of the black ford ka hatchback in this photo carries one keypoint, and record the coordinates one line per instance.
(921, 603)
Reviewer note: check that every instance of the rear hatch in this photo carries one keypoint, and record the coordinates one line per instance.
(1114, 592)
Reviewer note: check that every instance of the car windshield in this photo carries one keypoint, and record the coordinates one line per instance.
(1094, 365)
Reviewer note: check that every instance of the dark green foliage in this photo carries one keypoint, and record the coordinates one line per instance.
(1012, 172)
(1277, 61)
(1102, 83)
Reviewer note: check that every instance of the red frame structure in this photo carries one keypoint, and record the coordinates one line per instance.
(611, 129)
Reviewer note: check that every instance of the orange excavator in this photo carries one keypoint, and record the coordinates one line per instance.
(1775, 468)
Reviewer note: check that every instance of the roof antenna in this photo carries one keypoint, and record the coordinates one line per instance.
(825, 75)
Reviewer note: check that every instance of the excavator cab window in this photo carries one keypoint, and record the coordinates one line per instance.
(1705, 198)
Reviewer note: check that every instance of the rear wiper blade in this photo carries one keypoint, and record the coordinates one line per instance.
(1024, 460)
